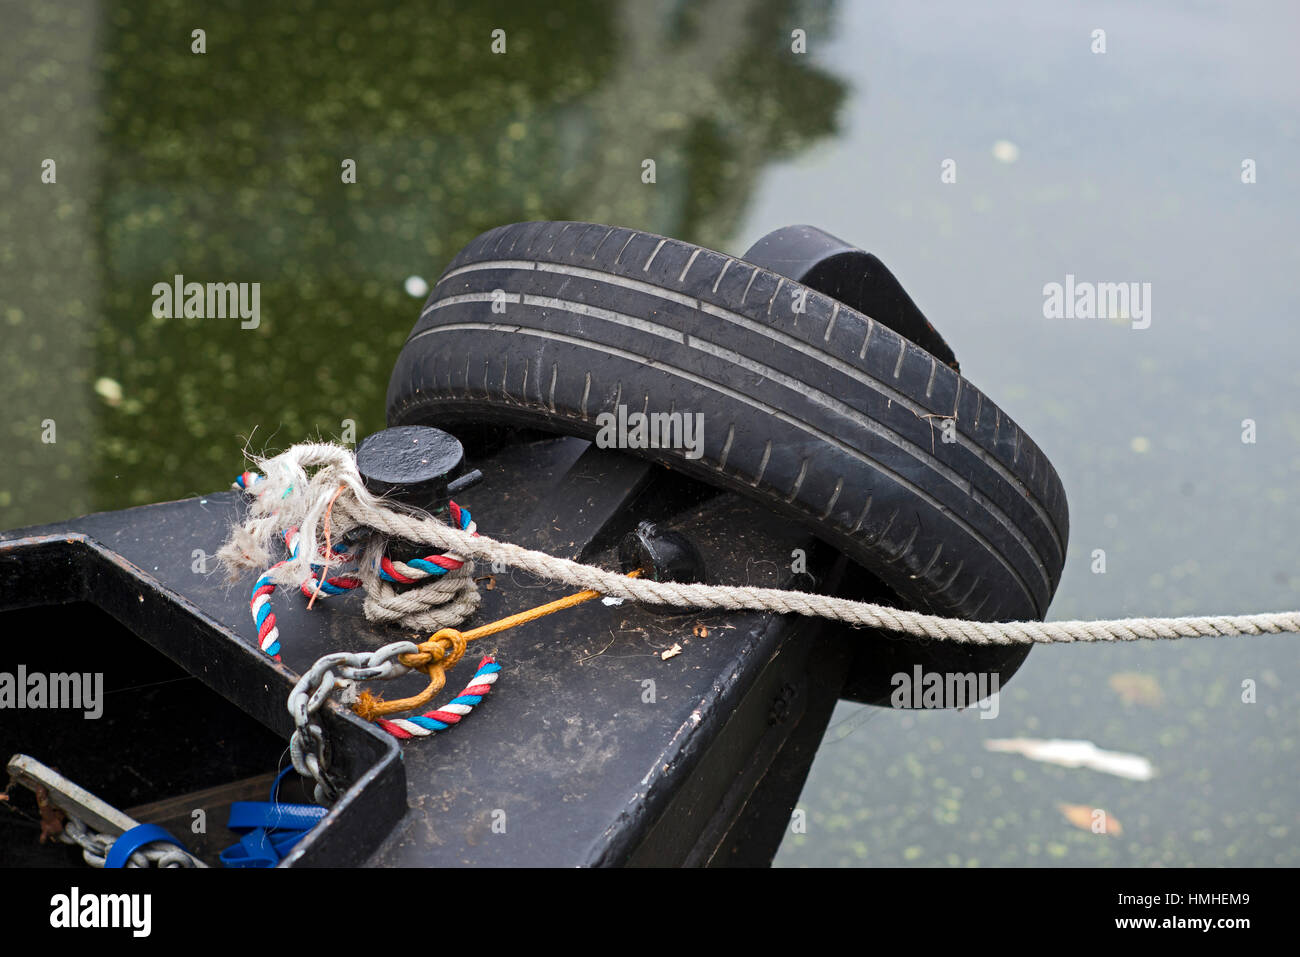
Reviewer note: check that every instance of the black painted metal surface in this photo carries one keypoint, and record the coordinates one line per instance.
(592, 750)
(138, 567)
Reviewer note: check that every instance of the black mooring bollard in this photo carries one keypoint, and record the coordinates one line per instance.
(662, 555)
(415, 465)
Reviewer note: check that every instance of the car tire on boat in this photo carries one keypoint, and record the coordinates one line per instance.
(826, 416)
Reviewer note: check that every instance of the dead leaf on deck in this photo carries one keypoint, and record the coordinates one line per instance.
(1092, 819)
(672, 652)
(1134, 688)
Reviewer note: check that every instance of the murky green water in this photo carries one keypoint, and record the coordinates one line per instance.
(1117, 167)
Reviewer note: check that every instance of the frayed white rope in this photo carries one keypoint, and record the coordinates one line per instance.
(287, 497)
(305, 503)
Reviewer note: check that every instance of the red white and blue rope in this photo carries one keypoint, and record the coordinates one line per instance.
(430, 566)
(450, 714)
(395, 573)
(268, 635)
(401, 573)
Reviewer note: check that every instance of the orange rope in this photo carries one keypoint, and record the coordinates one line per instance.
(324, 569)
(444, 648)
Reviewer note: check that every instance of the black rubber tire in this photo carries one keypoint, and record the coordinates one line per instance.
(827, 417)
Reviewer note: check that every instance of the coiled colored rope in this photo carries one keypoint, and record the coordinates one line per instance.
(268, 635)
(430, 566)
(315, 586)
(450, 714)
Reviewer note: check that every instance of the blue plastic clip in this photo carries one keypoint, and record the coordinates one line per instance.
(270, 829)
(134, 839)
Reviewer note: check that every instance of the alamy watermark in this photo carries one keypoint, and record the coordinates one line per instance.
(653, 430)
(1101, 300)
(213, 300)
(952, 689)
(77, 910)
(60, 691)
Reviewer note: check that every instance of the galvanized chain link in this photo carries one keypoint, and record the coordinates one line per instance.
(95, 847)
(339, 671)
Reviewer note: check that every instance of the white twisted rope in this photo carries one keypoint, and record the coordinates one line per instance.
(284, 495)
(358, 508)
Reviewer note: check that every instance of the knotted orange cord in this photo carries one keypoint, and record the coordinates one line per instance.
(444, 648)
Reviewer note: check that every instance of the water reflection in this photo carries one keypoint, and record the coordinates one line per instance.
(226, 166)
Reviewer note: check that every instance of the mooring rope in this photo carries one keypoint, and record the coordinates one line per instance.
(446, 595)
(302, 501)
(296, 507)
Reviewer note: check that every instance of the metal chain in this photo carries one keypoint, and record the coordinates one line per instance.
(95, 847)
(334, 672)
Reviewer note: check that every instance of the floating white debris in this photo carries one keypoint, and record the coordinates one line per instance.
(110, 390)
(1005, 151)
(672, 652)
(416, 286)
(1076, 754)
(611, 601)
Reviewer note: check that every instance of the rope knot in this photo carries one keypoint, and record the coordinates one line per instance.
(444, 648)
(313, 499)
(437, 655)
